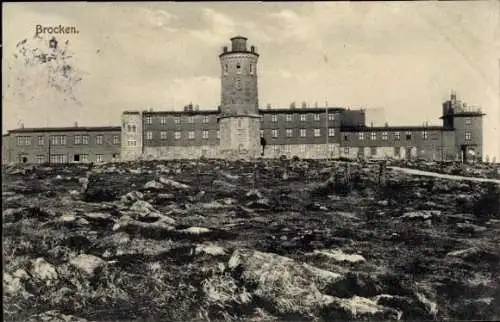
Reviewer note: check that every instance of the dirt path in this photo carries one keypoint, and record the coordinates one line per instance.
(441, 175)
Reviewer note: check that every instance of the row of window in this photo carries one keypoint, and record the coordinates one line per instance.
(61, 140)
(63, 158)
(302, 117)
(178, 135)
(302, 132)
(206, 119)
(177, 120)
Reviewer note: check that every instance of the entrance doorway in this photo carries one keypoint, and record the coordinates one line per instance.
(76, 158)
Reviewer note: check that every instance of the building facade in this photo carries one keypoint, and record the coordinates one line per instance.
(238, 128)
(61, 145)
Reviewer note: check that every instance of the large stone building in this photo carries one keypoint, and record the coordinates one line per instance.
(238, 128)
(61, 145)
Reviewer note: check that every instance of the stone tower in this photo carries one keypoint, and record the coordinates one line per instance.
(131, 136)
(239, 120)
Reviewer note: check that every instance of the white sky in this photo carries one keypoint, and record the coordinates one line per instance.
(398, 60)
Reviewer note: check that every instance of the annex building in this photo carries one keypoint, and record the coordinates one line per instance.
(240, 128)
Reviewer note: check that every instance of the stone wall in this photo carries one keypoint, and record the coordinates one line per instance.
(181, 152)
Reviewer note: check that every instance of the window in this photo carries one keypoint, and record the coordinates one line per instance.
(131, 142)
(58, 140)
(84, 157)
(177, 135)
(331, 147)
(191, 135)
(385, 136)
(373, 151)
(288, 148)
(163, 120)
(302, 148)
(289, 117)
(177, 120)
(189, 119)
(346, 150)
(251, 69)
(204, 134)
(346, 137)
(303, 117)
(85, 138)
(331, 132)
(303, 133)
(373, 136)
(331, 117)
(225, 69)
(425, 135)
(361, 136)
(238, 68)
(149, 135)
(41, 140)
(58, 158)
(289, 133)
(40, 159)
(468, 136)
(316, 117)
(239, 123)
(23, 140)
(468, 121)
(149, 120)
(78, 139)
(163, 135)
(317, 132)
(408, 135)
(218, 135)
(116, 139)
(98, 139)
(274, 118)
(205, 119)
(276, 133)
(396, 136)
(99, 157)
(261, 133)
(131, 128)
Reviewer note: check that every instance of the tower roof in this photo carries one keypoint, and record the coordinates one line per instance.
(239, 37)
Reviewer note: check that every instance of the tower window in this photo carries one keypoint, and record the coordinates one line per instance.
(238, 68)
(468, 136)
(467, 121)
(225, 69)
(251, 69)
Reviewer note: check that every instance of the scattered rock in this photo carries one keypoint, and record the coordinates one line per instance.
(54, 316)
(421, 214)
(153, 185)
(88, 264)
(174, 184)
(210, 249)
(195, 230)
(43, 270)
(470, 228)
(132, 197)
(339, 255)
(12, 214)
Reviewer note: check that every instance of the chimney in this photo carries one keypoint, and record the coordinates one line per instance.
(197, 107)
(386, 124)
(304, 104)
(76, 124)
(268, 106)
(315, 104)
(371, 124)
(252, 49)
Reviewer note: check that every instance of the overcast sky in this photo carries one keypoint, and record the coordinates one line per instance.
(398, 60)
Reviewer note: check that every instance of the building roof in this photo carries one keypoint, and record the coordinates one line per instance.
(464, 114)
(193, 112)
(391, 128)
(66, 129)
(301, 110)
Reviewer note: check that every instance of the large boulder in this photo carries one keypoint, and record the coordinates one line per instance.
(88, 264)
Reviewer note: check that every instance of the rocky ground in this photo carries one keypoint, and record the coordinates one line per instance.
(262, 241)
